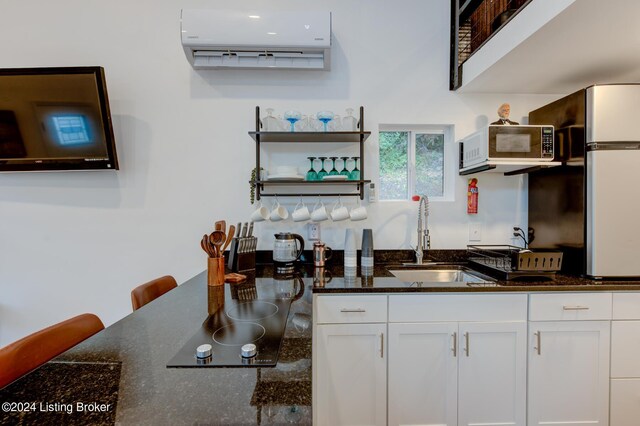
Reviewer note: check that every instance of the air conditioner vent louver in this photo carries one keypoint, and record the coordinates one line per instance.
(247, 59)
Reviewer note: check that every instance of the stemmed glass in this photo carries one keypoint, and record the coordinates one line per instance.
(322, 173)
(292, 117)
(355, 173)
(333, 171)
(311, 174)
(325, 117)
(271, 123)
(344, 171)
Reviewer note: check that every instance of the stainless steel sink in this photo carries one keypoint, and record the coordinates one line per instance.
(443, 275)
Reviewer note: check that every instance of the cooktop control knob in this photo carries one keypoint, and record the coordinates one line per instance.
(204, 351)
(249, 350)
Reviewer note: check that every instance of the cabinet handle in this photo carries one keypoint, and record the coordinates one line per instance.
(538, 348)
(352, 310)
(466, 341)
(381, 345)
(575, 308)
(455, 344)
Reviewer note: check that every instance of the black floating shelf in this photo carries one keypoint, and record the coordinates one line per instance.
(312, 183)
(310, 136)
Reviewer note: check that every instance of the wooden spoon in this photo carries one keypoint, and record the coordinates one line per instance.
(232, 230)
(221, 225)
(217, 238)
(204, 243)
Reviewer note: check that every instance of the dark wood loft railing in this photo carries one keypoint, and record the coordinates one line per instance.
(473, 22)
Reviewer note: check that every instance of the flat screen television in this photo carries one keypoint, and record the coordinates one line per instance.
(55, 119)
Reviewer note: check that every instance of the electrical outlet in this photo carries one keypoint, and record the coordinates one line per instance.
(372, 192)
(475, 231)
(313, 231)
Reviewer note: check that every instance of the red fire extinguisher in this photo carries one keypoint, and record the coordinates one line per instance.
(472, 196)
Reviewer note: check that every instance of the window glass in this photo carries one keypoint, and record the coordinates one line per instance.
(394, 161)
(430, 164)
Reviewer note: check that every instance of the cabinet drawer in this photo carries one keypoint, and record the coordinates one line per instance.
(626, 306)
(570, 306)
(350, 309)
(458, 307)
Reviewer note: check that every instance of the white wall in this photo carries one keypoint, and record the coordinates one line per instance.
(79, 242)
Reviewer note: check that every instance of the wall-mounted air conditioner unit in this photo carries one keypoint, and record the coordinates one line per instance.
(256, 40)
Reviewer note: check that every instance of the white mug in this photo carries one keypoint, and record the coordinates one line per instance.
(279, 213)
(359, 212)
(319, 212)
(300, 214)
(339, 212)
(260, 214)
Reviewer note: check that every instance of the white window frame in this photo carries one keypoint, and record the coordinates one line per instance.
(450, 157)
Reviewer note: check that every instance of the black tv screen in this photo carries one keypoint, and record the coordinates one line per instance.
(55, 119)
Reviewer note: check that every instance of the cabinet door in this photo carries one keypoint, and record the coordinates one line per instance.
(351, 375)
(423, 374)
(492, 373)
(569, 373)
(625, 402)
(625, 349)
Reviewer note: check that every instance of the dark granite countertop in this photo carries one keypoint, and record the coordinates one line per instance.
(383, 281)
(124, 366)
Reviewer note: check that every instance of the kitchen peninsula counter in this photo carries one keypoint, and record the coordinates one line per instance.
(124, 366)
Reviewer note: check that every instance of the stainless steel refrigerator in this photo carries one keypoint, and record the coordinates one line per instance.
(590, 206)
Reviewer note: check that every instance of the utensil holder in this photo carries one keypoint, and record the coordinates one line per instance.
(215, 298)
(215, 271)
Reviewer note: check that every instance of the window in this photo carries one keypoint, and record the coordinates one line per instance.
(71, 129)
(414, 160)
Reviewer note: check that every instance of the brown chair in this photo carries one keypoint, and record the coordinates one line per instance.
(28, 353)
(150, 291)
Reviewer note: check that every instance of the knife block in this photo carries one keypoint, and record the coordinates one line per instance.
(242, 254)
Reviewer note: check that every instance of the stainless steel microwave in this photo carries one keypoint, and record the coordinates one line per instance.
(507, 145)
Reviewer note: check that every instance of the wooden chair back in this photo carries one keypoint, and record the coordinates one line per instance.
(150, 291)
(28, 353)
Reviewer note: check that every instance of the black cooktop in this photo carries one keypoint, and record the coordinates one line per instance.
(236, 326)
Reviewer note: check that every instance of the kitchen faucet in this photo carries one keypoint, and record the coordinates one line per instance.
(424, 241)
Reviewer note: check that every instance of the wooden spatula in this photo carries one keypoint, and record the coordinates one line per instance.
(232, 230)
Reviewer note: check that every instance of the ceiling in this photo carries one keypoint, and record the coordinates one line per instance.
(591, 41)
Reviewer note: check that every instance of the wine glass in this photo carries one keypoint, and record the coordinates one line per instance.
(271, 123)
(292, 117)
(325, 117)
(349, 122)
(355, 173)
(303, 124)
(311, 174)
(336, 124)
(333, 171)
(322, 173)
(344, 171)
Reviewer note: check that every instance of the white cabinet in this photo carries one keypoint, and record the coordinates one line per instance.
(423, 374)
(457, 373)
(492, 374)
(349, 361)
(351, 377)
(468, 359)
(625, 360)
(569, 341)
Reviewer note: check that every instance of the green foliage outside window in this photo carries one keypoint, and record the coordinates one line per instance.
(393, 165)
(395, 156)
